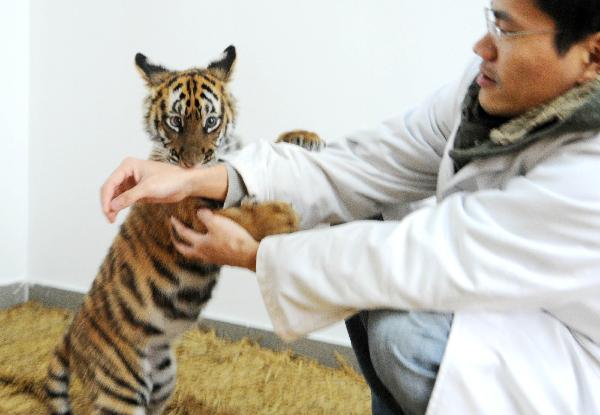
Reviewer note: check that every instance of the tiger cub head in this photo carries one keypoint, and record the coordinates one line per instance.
(188, 113)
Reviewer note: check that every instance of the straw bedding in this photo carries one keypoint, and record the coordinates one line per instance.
(215, 376)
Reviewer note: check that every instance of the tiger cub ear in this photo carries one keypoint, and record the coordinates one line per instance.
(152, 74)
(223, 67)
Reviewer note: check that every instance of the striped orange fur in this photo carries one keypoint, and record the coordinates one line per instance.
(146, 294)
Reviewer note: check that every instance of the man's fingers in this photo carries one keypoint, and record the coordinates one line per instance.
(225, 242)
(111, 216)
(207, 217)
(186, 250)
(187, 241)
(111, 186)
(108, 190)
(127, 198)
(185, 234)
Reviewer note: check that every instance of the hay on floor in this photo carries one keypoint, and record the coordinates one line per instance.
(215, 376)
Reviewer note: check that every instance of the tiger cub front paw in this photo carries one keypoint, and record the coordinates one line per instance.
(264, 219)
(305, 139)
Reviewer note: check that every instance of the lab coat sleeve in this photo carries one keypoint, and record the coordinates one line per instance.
(532, 245)
(357, 177)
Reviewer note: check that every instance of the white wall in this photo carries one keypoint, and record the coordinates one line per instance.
(14, 118)
(331, 66)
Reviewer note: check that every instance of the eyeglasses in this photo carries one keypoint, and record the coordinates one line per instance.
(498, 33)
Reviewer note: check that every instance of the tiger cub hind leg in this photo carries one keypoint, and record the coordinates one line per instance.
(305, 139)
(57, 383)
(163, 375)
(105, 404)
(111, 393)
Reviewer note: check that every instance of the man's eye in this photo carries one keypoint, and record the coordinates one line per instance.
(502, 29)
(504, 32)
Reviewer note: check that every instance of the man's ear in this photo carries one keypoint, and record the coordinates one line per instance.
(592, 58)
(223, 67)
(152, 74)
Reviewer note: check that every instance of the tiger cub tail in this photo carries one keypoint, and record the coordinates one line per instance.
(306, 139)
(57, 381)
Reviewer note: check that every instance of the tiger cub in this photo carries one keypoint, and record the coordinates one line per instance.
(146, 294)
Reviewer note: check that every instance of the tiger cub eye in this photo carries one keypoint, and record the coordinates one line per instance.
(211, 122)
(176, 121)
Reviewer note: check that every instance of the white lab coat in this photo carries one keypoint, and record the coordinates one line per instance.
(512, 247)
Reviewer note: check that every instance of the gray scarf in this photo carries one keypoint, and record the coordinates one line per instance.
(481, 135)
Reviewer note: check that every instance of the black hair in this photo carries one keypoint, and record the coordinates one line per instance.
(575, 20)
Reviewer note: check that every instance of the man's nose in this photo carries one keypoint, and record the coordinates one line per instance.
(486, 48)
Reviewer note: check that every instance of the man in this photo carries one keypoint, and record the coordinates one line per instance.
(500, 278)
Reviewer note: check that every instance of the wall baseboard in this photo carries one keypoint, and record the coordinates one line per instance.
(323, 352)
(13, 294)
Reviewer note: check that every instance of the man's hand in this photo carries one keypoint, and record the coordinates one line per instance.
(224, 243)
(149, 181)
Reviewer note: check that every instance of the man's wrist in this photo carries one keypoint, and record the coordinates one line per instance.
(208, 182)
(193, 182)
(252, 254)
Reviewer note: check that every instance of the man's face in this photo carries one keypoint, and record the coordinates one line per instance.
(520, 73)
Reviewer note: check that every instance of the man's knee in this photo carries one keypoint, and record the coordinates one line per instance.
(406, 349)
